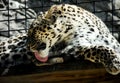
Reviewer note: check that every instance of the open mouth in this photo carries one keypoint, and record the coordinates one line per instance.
(41, 59)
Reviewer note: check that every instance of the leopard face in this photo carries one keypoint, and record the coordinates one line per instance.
(41, 37)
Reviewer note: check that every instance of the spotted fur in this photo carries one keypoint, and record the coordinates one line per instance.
(64, 32)
(83, 33)
(14, 52)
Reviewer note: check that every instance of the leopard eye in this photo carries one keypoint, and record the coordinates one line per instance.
(41, 46)
(59, 12)
(53, 18)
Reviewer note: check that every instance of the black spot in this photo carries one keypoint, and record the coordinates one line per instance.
(81, 36)
(53, 34)
(21, 43)
(74, 15)
(101, 47)
(16, 56)
(2, 44)
(93, 49)
(107, 36)
(49, 28)
(94, 53)
(78, 11)
(78, 8)
(4, 50)
(98, 51)
(20, 37)
(64, 9)
(68, 10)
(59, 12)
(96, 61)
(100, 33)
(73, 18)
(11, 47)
(97, 36)
(3, 47)
(9, 41)
(71, 50)
(91, 29)
(61, 21)
(55, 25)
(43, 30)
(97, 57)
(15, 40)
(61, 16)
(44, 26)
(69, 28)
(92, 58)
(86, 51)
(73, 10)
(59, 30)
(46, 34)
(106, 42)
(50, 43)
(14, 50)
(59, 37)
(24, 38)
(75, 35)
(88, 55)
(88, 32)
(86, 21)
(68, 17)
(64, 16)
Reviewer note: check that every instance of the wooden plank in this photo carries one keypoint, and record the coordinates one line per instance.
(72, 76)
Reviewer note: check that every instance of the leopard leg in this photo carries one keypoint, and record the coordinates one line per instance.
(100, 54)
(105, 55)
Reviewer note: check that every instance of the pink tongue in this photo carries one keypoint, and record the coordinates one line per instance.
(38, 57)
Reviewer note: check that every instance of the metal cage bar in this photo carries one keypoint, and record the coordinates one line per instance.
(44, 7)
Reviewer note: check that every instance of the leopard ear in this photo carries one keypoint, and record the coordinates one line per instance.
(54, 7)
(53, 19)
(49, 20)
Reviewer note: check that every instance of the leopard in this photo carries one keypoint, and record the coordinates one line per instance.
(63, 33)
(14, 52)
(79, 32)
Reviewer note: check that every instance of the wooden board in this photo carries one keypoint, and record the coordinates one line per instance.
(72, 72)
(73, 76)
